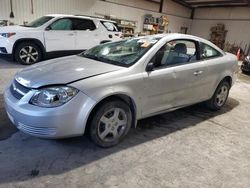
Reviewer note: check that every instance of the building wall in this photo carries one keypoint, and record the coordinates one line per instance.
(147, 5)
(123, 9)
(236, 20)
(173, 8)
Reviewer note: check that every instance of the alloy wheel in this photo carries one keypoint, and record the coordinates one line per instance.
(112, 125)
(221, 96)
(28, 54)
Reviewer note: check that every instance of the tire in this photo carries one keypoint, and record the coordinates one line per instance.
(220, 96)
(27, 53)
(110, 123)
(245, 72)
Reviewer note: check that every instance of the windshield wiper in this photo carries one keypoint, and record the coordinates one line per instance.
(105, 60)
(90, 56)
(102, 59)
(25, 26)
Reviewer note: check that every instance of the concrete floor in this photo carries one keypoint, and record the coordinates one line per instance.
(191, 147)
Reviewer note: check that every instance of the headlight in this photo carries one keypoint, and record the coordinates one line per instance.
(53, 96)
(7, 35)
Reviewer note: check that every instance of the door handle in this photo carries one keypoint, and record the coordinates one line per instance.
(196, 73)
(70, 34)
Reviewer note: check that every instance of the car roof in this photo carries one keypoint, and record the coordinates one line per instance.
(174, 36)
(179, 35)
(79, 16)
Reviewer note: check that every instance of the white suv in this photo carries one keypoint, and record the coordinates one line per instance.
(55, 33)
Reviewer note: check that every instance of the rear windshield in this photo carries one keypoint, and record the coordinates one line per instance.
(110, 26)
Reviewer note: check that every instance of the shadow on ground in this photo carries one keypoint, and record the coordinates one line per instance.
(24, 157)
(6, 127)
(9, 63)
(244, 77)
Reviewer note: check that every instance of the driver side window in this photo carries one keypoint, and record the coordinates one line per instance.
(175, 52)
(62, 24)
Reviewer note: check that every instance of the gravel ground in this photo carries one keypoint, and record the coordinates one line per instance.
(191, 147)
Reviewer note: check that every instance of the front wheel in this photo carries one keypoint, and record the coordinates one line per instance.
(27, 53)
(220, 96)
(111, 123)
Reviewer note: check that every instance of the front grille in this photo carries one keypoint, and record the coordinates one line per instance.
(18, 90)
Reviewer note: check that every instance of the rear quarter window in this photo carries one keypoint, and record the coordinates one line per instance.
(83, 24)
(208, 51)
(110, 26)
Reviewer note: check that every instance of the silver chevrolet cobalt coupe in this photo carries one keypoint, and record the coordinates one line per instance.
(106, 89)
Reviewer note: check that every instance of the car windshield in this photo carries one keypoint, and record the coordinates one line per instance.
(39, 22)
(122, 53)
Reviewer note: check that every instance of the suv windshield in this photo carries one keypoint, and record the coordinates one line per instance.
(123, 53)
(39, 22)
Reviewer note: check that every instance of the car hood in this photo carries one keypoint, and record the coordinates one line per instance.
(14, 28)
(62, 71)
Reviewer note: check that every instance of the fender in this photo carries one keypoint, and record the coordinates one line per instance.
(36, 41)
(121, 95)
(222, 76)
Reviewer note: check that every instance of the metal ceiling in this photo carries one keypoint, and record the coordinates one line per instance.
(213, 3)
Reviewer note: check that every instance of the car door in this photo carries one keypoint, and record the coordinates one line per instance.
(86, 33)
(178, 77)
(60, 36)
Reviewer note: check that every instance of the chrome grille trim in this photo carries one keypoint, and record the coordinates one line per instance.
(18, 90)
(39, 131)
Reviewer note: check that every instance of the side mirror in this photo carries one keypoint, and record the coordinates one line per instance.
(150, 67)
(48, 28)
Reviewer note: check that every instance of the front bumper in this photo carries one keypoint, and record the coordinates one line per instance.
(6, 45)
(67, 120)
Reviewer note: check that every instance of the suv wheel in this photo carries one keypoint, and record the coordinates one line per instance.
(28, 53)
(220, 96)
(110, 124)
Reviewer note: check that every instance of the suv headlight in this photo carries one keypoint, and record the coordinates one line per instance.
(53, 96)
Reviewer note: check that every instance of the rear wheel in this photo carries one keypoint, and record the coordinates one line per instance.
(28, 53)
(111, 123)
(220, 96)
